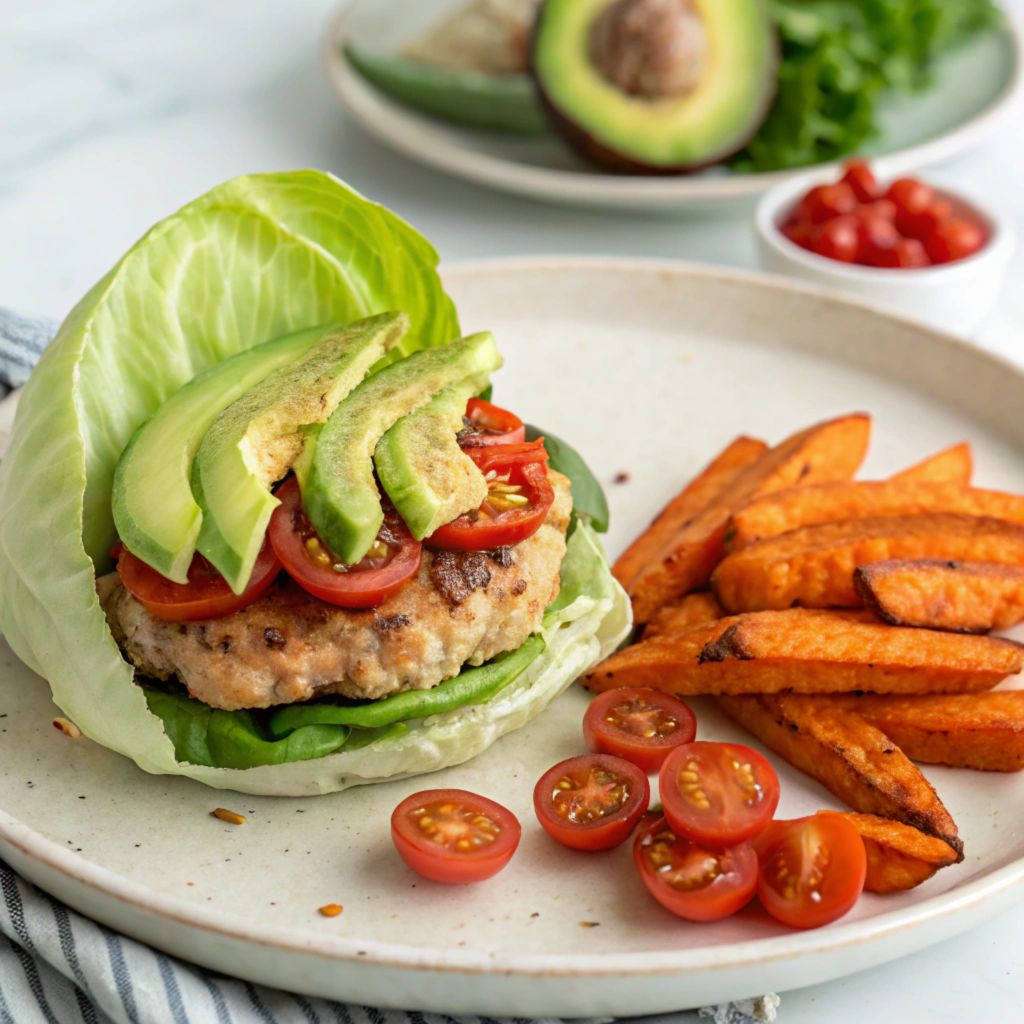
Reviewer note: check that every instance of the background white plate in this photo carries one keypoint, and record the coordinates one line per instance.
(975, 91)
(649, 368)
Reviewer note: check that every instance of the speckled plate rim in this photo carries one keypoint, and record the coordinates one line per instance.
(957, 909)
(385, 120)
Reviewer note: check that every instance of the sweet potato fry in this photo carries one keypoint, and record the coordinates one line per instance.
(950, 466)
(966, 597)
(848, 756)
(899, 856)
(809, 651)
(828, 451)
(656, 541)
(813, 566)
(976, 730)
(797, 507)
(689, 611)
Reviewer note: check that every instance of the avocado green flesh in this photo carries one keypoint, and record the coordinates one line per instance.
(156, 515)
(495, 103)
(257, 439)
(428, 477)
(712, 121)
(336, 472)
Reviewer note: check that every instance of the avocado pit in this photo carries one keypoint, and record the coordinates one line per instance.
(655, 49)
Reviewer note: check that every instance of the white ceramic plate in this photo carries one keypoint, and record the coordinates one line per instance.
(650, 368)
(976, 89)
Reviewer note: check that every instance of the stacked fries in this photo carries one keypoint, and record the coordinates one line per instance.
(844, 623)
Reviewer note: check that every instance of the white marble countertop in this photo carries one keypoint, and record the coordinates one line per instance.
(116, 112)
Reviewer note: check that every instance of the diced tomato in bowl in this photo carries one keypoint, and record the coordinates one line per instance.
(919, 250)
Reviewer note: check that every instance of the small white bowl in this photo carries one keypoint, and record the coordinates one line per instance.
(954, 297)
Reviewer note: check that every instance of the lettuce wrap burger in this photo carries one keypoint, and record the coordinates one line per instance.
(260, 524)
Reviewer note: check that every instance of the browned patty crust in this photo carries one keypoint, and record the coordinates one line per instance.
(460, 608)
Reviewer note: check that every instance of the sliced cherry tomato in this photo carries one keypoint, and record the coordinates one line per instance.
(643, 726)
(207, 594)
(499, 457)
(907, 253)
(591, 802)
(812, 870)
(800, 233)
(876, 236)
(395, 558)
(839, 239)
(449, 835)
(954, 239)
(921, 225)
(519, 498)
(861, 181)
(824, 202)
(885, 209)
(690, 881)
(718, 794)
(910, 196)
(490, 424)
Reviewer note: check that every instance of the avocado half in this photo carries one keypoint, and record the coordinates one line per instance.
(656, 86)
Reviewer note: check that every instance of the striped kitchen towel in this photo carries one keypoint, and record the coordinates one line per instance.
(57, 967)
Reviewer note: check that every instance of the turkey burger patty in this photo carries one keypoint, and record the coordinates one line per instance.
(461, 608)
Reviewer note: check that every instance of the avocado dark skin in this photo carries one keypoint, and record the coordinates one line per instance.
(652, 50)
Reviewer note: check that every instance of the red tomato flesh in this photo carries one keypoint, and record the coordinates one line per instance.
(490, 424)
(812, 870)
(861, 181)
(838, 239)
(519, 498)
(825, 202)
(308, 561)
(207, 594)
(591, 802)
(718, 794)
(954, 239)
(691, 881)
(642, 726)
(452, 836)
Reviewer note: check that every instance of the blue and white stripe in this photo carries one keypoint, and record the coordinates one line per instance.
(57, 967)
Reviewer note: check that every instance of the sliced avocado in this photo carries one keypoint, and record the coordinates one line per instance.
(336, 473)
(656, 86)
(430, 479)
(257, 439)
(156, 516)
(491, 102)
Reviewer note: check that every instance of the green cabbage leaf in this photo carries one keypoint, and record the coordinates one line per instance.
(256, 258)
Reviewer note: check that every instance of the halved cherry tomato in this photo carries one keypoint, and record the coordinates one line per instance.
(876, 236)
(861, 181)
(838, 239)
(207, 594)
(519, 498)
(910, 196)
(906, 254)
(800, 233)
(824, 202)
(366, 584)
(718, 794)
(954, 239)
(452, 836)
(921, 225)
(490, 424)
(591, 802)
(885, 209)
(812, 869)
(643, 726)
(690, 881)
